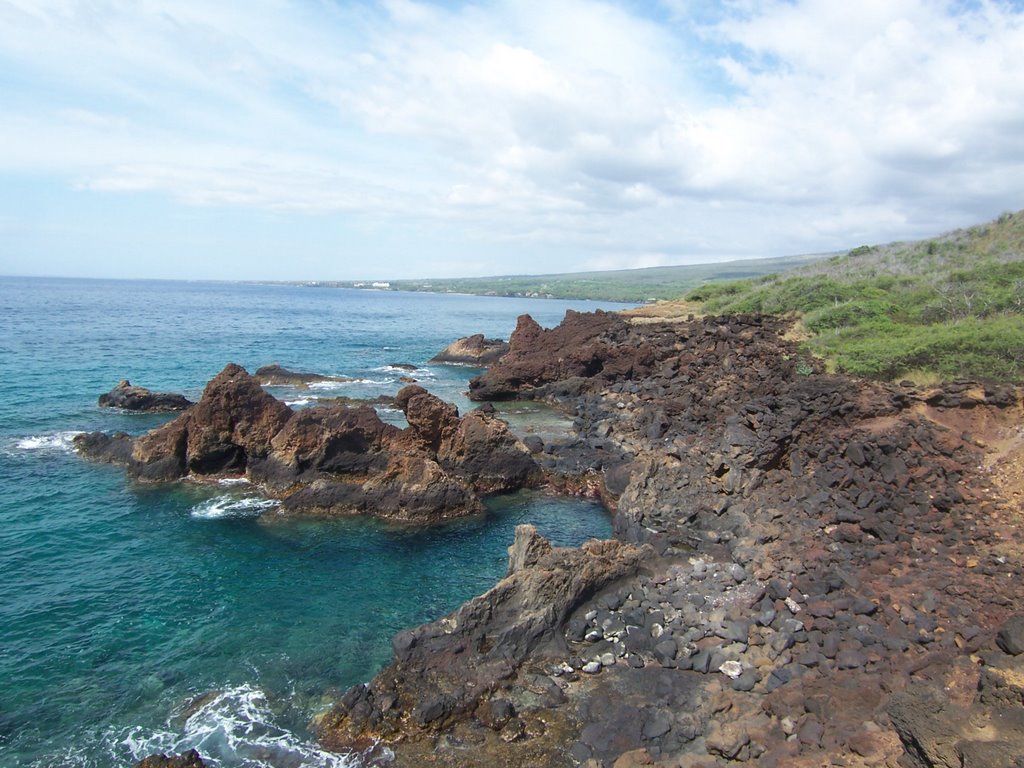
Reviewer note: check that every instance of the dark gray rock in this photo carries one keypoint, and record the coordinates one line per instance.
(1011, 635)
(142, 400)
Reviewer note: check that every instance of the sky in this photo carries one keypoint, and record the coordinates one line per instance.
(332, 140)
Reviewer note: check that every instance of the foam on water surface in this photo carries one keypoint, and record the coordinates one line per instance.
(59, 441)
(228, 505)
(234, 728)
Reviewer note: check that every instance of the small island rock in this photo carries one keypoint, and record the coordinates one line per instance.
(472, 350)
(142, 400)
(275, 375)
(331, 460)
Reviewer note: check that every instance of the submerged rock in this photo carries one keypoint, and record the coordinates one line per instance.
(274, 375)
(133, 398)
(189, 759)
(472, 350)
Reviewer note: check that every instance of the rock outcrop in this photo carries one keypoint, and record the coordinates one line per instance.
(132, 398)
(274, 375)
(582, 352)
(450, 668)
(472, 350)
(331, 460)
(938, 731)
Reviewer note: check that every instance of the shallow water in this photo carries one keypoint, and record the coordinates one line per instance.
(120, 604)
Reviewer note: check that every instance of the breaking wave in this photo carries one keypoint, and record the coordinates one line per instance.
(232, 506)
(236, 728)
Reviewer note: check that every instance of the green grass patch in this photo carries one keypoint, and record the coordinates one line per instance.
(950, 307)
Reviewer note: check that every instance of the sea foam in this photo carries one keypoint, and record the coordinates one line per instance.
(235, 727)
(228, 505)
(59, 441)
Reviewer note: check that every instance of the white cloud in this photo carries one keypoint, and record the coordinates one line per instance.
(754, 128)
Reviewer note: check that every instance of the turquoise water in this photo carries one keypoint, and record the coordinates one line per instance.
(140, 618)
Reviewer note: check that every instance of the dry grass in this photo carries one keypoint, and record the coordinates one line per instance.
(675, 311)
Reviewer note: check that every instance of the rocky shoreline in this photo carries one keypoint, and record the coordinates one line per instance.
(823, 565)
(807, 569)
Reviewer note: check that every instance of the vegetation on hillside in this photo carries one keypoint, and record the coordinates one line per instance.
(948, 307)
(625, 285)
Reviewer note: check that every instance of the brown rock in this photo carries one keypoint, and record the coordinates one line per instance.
(429, 417)
(484, 452)
(235, 419)
(328, 441)
(472, 350)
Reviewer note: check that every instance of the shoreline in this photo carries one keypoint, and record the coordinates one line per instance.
(817, 555)
(805, 569)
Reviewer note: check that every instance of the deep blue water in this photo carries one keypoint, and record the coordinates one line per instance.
(140, 618)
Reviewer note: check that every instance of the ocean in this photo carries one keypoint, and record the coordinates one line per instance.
(154, 618)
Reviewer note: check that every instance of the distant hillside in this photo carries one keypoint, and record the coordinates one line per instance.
(948, 307)
(627, 285)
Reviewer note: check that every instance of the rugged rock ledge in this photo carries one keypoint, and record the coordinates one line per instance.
(132, 398)
(826, 563)
(330, 460)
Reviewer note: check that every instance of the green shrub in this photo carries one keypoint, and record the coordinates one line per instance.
(951, 306)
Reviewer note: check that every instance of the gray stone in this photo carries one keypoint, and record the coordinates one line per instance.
(1010, 637)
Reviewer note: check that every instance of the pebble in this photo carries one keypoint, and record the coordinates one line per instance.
(731, 669)
(592, 667)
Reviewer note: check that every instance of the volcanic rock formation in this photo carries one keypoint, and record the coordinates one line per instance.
(826, 564)
(330, 460)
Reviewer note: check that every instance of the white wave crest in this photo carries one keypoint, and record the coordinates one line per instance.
(59, 441)
(294, 403)
(228, 505)
(330, 386)
(326, 384)
(237, 727)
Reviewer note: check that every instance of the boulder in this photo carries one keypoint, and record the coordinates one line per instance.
(478, 448)
(472, 350)
(484, 453)
(132, 398)
(411, 489)
(1010, 637)
(430, 418)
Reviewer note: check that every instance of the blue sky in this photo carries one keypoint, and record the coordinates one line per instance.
(320, 139)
